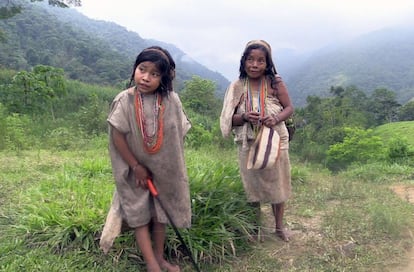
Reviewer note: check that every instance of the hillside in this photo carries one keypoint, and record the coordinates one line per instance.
(381, 59)
(397, 130)
(102, 52)
(88, 50)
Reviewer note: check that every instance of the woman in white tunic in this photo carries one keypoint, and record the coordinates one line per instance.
(260, 97)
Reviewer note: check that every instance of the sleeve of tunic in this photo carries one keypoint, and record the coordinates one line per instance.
(118, 117)
(185, 122)
(231, 100)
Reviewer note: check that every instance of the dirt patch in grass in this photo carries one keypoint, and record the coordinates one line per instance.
(307, 239)
(283, 253)
(406, 192)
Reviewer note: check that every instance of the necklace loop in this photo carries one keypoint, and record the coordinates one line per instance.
(151, 142)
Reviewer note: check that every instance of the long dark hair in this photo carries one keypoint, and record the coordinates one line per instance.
(164, 63)
(270, 70)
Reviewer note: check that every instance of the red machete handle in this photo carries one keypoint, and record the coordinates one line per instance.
(151, 187)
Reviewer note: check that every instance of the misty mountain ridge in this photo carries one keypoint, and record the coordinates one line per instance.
(92, 51)
(380, 59)
(102, 52)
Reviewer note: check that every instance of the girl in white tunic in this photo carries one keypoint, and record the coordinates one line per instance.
(147, 126)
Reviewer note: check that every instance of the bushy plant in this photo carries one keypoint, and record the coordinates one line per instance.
(17, 135)
(61, 138)
(398, 149)
(2, 127)
(91, 119)
(198, 136)
(358, 146)
(222, 219)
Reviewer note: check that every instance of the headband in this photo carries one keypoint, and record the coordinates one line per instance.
(160, 52)
(267, 47)
(262, 43)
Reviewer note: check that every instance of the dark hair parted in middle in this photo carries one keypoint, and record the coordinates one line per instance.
(270, 70)
(164, 63)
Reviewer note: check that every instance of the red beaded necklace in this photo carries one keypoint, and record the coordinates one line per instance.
(152, 143)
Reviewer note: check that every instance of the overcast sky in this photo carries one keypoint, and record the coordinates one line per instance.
(214, 32)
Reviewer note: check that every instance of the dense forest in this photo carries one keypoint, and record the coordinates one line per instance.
(101, 52)
(88, 50)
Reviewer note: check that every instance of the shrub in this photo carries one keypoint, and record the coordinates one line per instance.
(398, 149)
(17, 132)
(358, 146)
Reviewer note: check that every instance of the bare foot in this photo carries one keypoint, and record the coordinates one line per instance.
(283, 234)
(168, 266)
(153, 268)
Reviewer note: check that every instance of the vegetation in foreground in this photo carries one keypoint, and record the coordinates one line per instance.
(54, 203)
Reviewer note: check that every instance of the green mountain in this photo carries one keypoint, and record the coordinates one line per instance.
(88, 50)
(381, 59)
(103, 53)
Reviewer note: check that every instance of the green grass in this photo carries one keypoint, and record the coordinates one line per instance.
(401, 130)
(62, 206)
(53, 205)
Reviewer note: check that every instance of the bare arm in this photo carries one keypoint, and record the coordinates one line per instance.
(284, 99)
(283, 96)
(239, 119)
(141, 173)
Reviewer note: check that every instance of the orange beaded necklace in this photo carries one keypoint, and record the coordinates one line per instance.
(152, 143)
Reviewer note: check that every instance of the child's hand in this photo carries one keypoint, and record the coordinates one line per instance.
(141, 176)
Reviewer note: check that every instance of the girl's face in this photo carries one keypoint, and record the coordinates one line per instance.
(147, 77)
(255, 63)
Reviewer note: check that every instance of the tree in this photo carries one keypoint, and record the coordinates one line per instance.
(323, 120)
(61, 3)
(203, 108)
(384, 106)
(33, 92)
(406, 112)
(198, 95)
(9, 8)
(12, 7)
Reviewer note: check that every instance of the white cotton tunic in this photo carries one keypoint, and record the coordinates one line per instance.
(261, 185)
(167, 166)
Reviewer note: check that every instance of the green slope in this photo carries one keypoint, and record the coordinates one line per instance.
(399, 130)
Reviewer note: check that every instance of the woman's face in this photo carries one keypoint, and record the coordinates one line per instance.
(255, 63)
(147, 77)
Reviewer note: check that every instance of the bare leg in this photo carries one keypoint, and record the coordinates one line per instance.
(143, 239)
(159, 241)
(278, 212)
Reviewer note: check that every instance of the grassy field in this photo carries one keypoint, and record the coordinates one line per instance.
(53, 205)
(399, 130)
